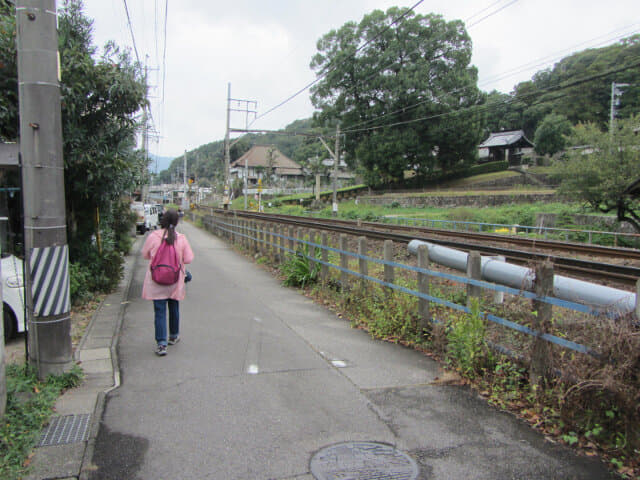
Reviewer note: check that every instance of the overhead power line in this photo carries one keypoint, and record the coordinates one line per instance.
(133, 38)
(327, 70)
(497, 77)
(491, 14)
(164, 48)
(480, 12)
(485, 106)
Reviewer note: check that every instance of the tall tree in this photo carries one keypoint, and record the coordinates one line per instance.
(378, 76)
(100, 101)
(602, 170)
(550, 137)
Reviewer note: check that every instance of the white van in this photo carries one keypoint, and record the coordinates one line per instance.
(152, 220)
(138, 209)
(146, 216)
(12, 296)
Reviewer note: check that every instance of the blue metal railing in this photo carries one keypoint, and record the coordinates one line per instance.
(563, 342)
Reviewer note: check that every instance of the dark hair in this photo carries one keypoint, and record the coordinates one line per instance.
(168, 222)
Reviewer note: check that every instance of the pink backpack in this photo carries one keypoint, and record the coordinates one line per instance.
(165, 266)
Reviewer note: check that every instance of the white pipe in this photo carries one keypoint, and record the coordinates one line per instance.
(523, 278)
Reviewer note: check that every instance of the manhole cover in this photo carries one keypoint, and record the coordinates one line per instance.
(362, 461)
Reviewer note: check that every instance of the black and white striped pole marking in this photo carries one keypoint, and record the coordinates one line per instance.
(49, 267)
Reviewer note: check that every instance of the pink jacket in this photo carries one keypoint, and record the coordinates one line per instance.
(150, 289)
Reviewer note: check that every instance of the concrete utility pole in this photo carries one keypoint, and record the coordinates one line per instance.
(336, 161)
(45, 231)
(227, 153)
(616, 93)
(185, 202)
(243, 106)
(145, 138)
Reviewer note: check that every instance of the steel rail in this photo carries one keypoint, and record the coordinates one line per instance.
(378, 231)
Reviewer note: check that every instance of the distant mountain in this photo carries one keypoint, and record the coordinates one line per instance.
(162, 163)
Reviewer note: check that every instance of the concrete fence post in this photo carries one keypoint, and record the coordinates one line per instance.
(259, 235)
(474, 271)
(298, 236)
(291, 241)
(245, 236)
(344, 260)
(389, 273)
(541, 353)
(362, 263)
(638, 300)
(424, 308)
(498, 297)
(234, 227)
(312, 249)
(271, 249)
(324, 268)
(254, 236)
(283, 256)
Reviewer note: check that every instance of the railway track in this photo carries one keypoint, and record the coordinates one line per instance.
(486, 244)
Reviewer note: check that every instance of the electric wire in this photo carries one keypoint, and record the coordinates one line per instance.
(327, 70)
(493, 80)
(491, 14)
(480, 12)
(485, 106)
(558, 55)
(164, 48)
(133, 38)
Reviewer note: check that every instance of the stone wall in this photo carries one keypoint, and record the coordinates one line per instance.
(452, 201)
(589, 222)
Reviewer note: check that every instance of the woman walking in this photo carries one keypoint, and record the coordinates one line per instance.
(163, 294)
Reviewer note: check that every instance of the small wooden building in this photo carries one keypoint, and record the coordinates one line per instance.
(510, 146)
(260, 159)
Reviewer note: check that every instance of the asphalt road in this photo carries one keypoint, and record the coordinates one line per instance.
(263, 379)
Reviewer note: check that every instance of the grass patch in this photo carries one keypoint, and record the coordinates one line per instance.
(29, 408)
(486, 177)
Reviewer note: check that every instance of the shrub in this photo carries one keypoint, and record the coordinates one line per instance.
(466, 341)
(299, 270)
(29, 406)
(79, 276)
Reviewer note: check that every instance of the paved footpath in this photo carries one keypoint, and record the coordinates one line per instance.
(263, 379)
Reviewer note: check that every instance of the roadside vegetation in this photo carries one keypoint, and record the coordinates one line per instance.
(524, 214)
(29, 407)
(101, 93)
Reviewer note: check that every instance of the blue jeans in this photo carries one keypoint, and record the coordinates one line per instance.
(160, 317)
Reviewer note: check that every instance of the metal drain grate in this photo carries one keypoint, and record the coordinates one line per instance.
(363, 461)
(66, 429)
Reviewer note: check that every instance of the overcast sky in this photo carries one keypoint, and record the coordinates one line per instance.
(263, 49)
